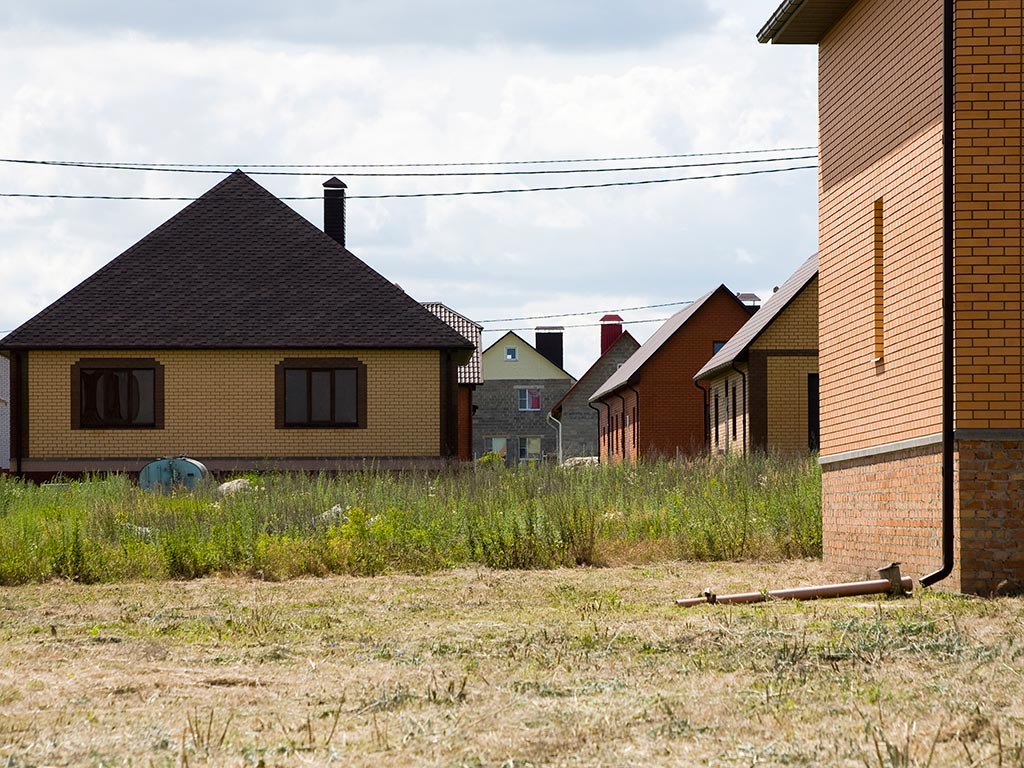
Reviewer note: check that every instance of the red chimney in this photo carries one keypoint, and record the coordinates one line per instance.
(611, 329)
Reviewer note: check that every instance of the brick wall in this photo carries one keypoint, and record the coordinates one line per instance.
(731, 435)
(989, 183)
(5, 413)
(880, 104)
(221, 404)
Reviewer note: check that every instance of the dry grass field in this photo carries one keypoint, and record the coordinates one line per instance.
(479, 667)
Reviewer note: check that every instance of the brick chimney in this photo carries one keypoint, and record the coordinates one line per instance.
(548, 340)
(611, 329)
(334, 209)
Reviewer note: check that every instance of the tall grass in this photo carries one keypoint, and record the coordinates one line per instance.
(107, 529)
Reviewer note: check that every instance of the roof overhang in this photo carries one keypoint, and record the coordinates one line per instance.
(803, 22)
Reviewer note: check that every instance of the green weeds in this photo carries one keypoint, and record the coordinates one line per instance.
(367, 523)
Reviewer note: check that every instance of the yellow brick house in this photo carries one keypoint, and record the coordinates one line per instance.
(762, 385)
(239, 334)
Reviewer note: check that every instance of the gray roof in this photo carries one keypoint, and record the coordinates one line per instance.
(649, 348)
(471, 372)
(236, 269)
(803, 21)
(737, 346)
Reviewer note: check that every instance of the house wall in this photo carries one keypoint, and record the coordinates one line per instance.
(498, 414)
(5, 413)
(219, 408)
(619, 428)
(732, 435)
(466, 422)
(580, 422)
(881, 450)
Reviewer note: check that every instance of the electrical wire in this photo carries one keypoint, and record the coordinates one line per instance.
(593, 312)
(578, 325)
(413, 174)
(231, 166)
(463, 193)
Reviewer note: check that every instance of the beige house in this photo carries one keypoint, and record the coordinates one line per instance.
(762, 385)
(241, 335)
(921, 186)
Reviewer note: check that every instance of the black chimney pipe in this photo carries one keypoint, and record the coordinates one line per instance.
(334, 209)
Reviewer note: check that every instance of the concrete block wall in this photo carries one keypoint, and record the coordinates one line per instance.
(498, 414)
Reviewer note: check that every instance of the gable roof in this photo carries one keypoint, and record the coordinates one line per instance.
(472, 371)
(649, 348)
(236, 268)
(737, 346)
(540, 358)
(582, 380)
(803, 21)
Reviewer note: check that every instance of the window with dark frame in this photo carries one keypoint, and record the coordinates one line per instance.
(123, 393)
(321, 393)
(734, 410)
(716, 420)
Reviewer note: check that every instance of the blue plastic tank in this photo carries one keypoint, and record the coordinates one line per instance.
(168, 473)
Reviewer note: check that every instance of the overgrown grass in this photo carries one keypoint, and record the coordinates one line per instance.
(367, 523)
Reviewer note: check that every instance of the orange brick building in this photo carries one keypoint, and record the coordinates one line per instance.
(649, 407)
(763, 384)
(241, 335)
(921, 282)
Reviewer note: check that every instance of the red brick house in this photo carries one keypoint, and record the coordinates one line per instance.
(242, 335)
(650, 407)
(921, 185)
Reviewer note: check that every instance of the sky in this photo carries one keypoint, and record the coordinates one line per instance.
(336, 83)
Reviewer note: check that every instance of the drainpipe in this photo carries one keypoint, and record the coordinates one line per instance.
(707, 418)
(746, 422)
(591, 405)
(636, 422)
(948, 92)
(558, 425)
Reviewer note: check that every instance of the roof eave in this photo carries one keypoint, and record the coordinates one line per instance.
(802, 22)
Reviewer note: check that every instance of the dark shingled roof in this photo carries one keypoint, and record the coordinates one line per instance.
(472, 371)
(650, 347)
(737, 346)
(237, 268)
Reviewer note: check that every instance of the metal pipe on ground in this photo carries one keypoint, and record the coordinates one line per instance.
(890, 583)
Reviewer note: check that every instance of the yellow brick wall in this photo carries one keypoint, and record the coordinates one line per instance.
(221, 404)
(723, 386)
(787, 403)
(989, 182)
(797, 326)
(880, 105)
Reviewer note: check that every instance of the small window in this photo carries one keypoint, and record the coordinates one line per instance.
(716, 346)
(716, 420)
(321, 393)
(734, 410)
(117, 394)
(511, 354)
(498, 445)
(529, 399)
(529, 449)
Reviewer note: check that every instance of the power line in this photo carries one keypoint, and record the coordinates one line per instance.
(463, 193)
(230, 166)
(412, 174)
(594, 312)
(578, 325)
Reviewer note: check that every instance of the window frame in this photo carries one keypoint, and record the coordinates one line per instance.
(116, 364)
(524, 447)
(527, 390)
(310, 365)
(511, 354)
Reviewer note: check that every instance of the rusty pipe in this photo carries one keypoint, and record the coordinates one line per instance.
(891, 583)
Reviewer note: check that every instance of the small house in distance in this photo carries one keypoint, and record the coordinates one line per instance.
(575, 420)
(521, 384)
(650, 407)
(470, 374)
(243, 336)
(763, 384)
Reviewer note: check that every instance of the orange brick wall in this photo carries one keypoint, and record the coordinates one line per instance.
(221, 404)
(989, 183)
(880, 101)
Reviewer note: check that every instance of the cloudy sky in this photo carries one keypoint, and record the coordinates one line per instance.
(344, 82)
